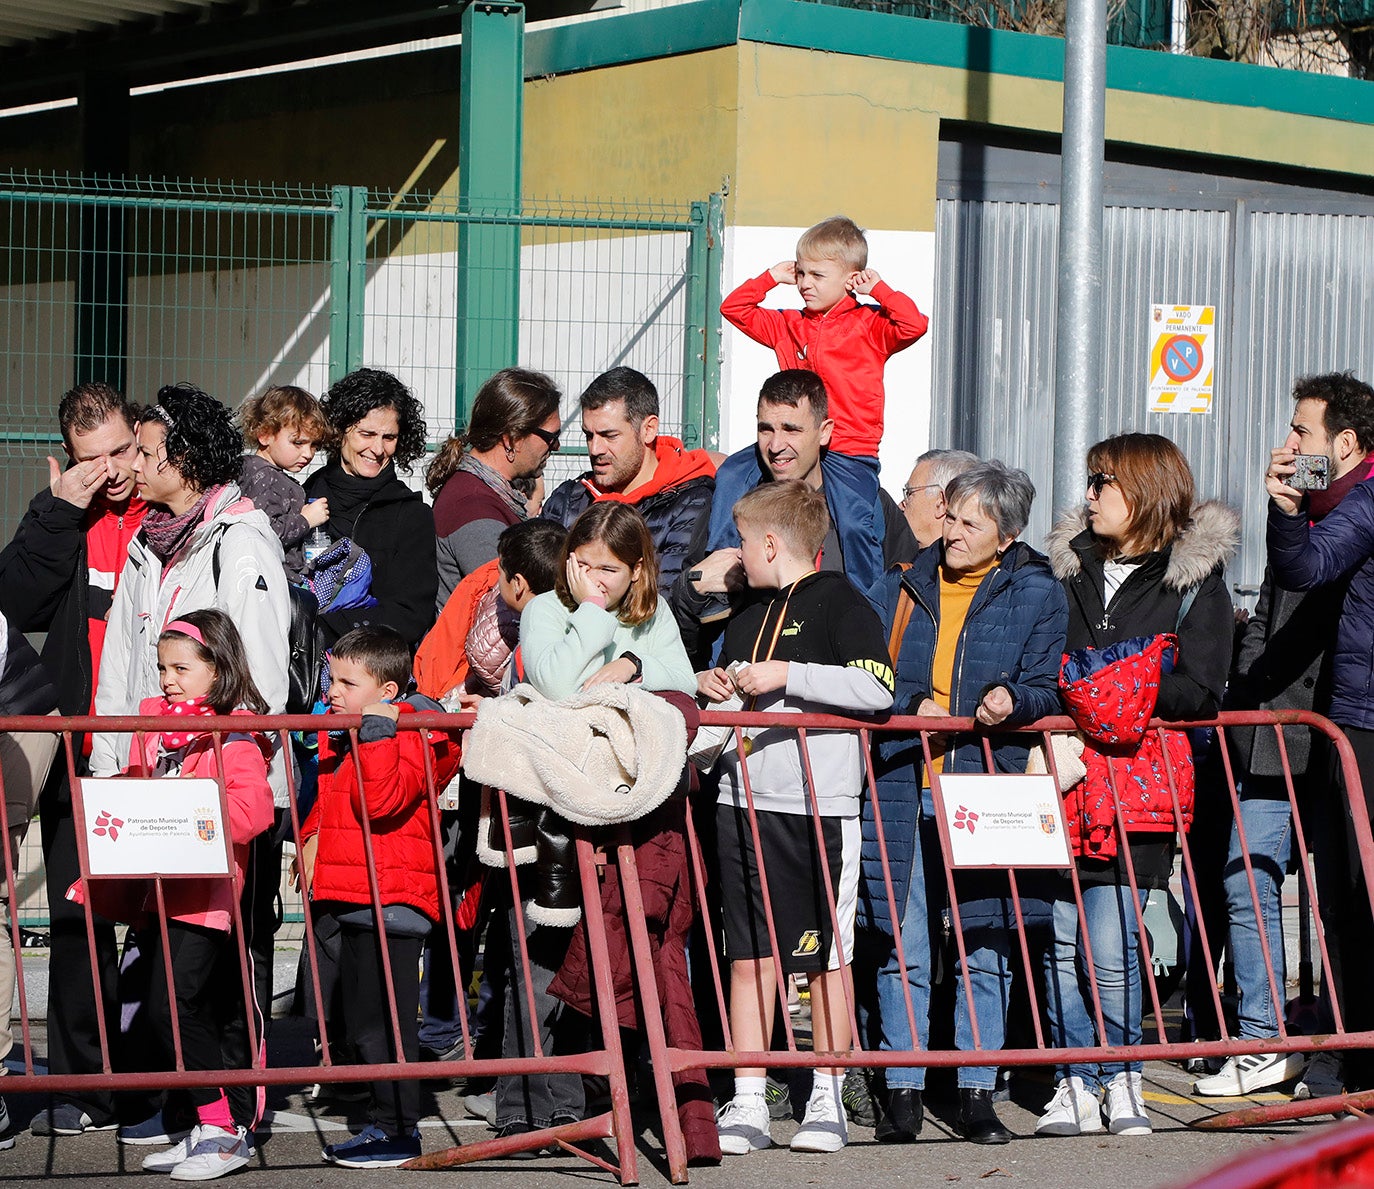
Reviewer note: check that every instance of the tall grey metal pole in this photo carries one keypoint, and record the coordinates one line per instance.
(1078, 338)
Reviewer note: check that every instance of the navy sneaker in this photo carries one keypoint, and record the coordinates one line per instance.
(373, 1148)
(66, 1118)
(6, 1135)
(151, 1131)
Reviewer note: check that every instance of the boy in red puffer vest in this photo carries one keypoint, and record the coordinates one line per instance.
(369, 668)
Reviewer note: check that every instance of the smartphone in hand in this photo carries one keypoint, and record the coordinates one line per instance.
(1311, 472)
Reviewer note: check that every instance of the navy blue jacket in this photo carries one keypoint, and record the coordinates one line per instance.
(1013, 636)
(1304, 556)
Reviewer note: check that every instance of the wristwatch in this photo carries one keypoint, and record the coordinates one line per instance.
(636, 662)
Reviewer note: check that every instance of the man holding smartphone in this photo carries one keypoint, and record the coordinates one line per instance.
(1310, 646)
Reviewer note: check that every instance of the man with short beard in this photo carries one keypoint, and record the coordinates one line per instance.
(669, 485)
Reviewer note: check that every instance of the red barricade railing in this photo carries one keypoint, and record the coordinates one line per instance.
(608, 1060)
(1155, 1045)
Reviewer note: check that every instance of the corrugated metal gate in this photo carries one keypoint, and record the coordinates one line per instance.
(1290, 270)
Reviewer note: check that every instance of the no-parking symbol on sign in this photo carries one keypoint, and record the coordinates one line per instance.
(1182, 358)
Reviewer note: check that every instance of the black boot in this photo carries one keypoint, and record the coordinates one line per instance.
(901, 1121)
(976, 1121)
(558, 895)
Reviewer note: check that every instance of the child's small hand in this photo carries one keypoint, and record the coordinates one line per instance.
(385, 709)
(784, 273)
(762, 677)
(580, 585)
(864, 280)
(619, 670)
(316, 512)
(715, 685)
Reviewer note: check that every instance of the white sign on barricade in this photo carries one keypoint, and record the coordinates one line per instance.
(1002, 820)
(136, 827)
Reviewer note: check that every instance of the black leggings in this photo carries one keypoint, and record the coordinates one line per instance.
(210, 1011)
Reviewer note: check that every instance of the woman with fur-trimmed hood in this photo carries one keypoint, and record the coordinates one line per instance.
(1139, 561)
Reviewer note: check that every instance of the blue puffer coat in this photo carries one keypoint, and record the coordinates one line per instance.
(1013, 637)
(1303, 556)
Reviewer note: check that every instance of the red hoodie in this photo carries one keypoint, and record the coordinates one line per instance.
(676, 465)
(848, 346)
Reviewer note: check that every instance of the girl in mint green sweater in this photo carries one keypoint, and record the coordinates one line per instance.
(604, 619)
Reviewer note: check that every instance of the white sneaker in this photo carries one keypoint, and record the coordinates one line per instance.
(1074, 1110)
(1245, 1075)
(823, 1127)
(743, 1125)
(1125, 1105)
(169, 1158)
(218, 1153)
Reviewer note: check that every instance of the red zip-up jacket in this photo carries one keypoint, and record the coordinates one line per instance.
(393, 780)
(848, 347)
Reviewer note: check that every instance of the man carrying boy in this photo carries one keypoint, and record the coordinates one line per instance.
(847, 343)
(370, 668)
(815, 646)
(794, 430)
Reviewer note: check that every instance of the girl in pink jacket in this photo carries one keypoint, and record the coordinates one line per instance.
(203, 671)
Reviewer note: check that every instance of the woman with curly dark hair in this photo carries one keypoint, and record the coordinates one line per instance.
(202, 546)
(378, 427)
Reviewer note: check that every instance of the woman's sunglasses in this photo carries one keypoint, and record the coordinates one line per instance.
(1097, 481)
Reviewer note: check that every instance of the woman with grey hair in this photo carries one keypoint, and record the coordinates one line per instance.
(976, 627)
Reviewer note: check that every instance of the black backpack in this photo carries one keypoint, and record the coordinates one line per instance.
(303, 638)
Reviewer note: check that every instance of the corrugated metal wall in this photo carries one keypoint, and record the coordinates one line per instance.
(1291, 274)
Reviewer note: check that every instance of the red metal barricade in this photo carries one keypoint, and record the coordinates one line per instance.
(617, 850)
(606, 1062)
(1156, 1043)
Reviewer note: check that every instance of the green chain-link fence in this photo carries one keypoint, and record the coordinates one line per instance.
(237, 287)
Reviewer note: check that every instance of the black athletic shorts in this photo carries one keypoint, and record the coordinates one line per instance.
(796, 887)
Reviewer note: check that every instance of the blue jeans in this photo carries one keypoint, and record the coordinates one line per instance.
(851, 490)
(989, 975)
(1115, 937)
(918, 944)
(1268, 826)
(987, 918)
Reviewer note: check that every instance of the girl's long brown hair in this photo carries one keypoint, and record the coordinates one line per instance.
(623, 531)
(223, 648)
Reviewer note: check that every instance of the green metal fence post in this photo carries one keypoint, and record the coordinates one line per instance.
(357, 275)
(713, 332)
(347, 279)
(694, 344)
(339, 272)
(490, 119)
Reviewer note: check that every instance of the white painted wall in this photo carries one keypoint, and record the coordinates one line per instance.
(906, 261)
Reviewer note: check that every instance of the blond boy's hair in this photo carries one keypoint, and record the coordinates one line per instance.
(835, 238)
(791, 510)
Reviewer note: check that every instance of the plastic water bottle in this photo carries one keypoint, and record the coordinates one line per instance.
(315, 544)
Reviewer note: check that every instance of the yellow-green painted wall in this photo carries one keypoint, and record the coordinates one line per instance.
(659, 131)
(803, 132)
